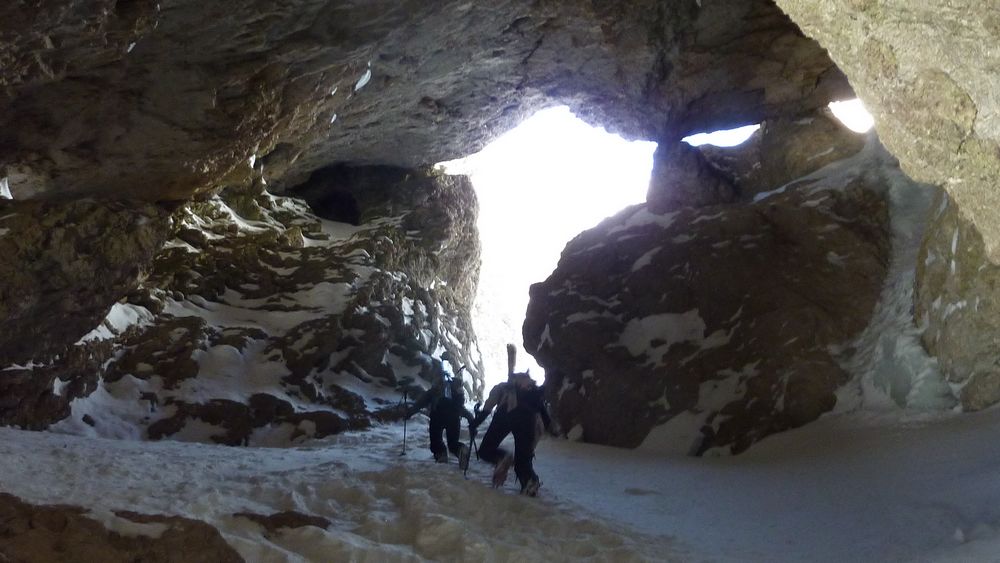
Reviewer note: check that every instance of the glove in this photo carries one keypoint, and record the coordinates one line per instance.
(554, 429)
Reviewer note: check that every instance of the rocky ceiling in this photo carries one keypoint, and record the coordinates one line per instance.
(929, 72)
(162, 100)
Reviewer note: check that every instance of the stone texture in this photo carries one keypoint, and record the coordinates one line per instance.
(783, 150)
(929, 73)
(62, 265)
(682, 176)
(58, 534)
(287, 519)
(160, 100)
(719, 323)
(958, 301)
(258, 316)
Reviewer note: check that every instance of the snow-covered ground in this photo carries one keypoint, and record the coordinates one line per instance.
(853, 487)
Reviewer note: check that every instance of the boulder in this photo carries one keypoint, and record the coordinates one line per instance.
(683, 177)
(715, 325)
(63, 265)
(65, 534)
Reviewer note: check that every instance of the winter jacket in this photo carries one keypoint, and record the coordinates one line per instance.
(507, 397)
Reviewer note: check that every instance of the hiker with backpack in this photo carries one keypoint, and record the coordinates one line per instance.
(519, 403)
(445, 401)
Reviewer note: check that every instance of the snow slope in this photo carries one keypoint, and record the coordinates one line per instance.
(851, 487)
(855, 487)
(383, 506)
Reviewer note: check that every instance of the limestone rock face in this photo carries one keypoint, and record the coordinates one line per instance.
(160, 100)
(57, 534)
(683, 177)
(717, 324)
(63, 264)
(958, 301)
(927, 72)
(782, 150)
(261, 324)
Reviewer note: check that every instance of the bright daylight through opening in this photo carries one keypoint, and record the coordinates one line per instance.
(724, 138)
(853, 114)
(539, 186)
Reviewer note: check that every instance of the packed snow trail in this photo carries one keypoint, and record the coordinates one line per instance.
(854, 487)
(383, 507)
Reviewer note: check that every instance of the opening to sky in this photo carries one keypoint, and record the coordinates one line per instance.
(853, 115)
(540, 185)
(723, 138)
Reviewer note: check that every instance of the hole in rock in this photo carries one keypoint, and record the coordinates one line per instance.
(539, 185)
(853, 115)
(723, 137)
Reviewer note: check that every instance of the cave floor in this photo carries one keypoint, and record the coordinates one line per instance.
(863, 487)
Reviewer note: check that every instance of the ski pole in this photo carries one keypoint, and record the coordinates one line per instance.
(405, 418)
(472, 438)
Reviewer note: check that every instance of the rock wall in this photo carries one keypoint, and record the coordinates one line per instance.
(926, 71)
(262, 324)
(62, 265)
(958, 302)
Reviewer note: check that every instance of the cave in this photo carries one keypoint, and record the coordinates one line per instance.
(231, 268)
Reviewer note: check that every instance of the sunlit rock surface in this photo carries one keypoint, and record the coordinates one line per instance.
(928, 73)
(57, 534)
(62, 267)
(719, 324)
(261, 324)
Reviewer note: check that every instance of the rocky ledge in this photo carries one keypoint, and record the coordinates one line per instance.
(261, 323)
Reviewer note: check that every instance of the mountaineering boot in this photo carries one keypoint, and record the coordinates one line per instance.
(531, 488)
(441, 457)
(500, 473)
(463, 457)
